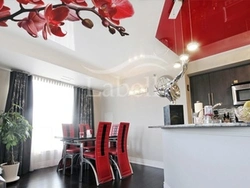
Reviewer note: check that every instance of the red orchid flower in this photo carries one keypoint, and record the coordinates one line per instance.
(4, 11)
(77, 2)
(54, 18)
(36, 2)
(114, 9)
(33, 23)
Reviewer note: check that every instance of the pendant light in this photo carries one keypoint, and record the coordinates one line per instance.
(192, 46)
(184, 56)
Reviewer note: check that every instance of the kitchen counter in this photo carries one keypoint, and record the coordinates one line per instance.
(207, 155)
(210, 125)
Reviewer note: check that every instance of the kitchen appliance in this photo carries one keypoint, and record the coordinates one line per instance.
(240, 93)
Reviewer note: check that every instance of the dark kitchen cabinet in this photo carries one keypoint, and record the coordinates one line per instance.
(242, 73)
(214, 87)
(220, 87)
(200, 88)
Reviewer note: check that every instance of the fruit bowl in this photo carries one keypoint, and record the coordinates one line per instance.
(243, 113)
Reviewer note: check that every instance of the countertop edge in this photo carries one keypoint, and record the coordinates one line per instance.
(212, 125)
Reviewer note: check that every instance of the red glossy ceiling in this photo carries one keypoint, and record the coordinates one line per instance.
(218, 26)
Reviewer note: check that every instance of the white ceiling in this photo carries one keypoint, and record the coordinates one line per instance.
(99, 58)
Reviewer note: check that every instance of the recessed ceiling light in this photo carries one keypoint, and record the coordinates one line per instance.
(177, 65)
(192, 46)
(184, 57)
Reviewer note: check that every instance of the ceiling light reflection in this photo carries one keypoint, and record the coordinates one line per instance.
(192, 46)
(184, 57)
(177, 65)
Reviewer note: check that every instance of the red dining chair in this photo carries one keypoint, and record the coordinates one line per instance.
(71, 151)
(100, 156)
(113, 133)
(119, 154)
(83, 129)
(114, 130)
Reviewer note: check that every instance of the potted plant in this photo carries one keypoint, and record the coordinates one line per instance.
(14, 128)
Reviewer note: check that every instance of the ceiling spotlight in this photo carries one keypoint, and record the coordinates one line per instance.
(192, 46)
(177, 65)
(184, 57)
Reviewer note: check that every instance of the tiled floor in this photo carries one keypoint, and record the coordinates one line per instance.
(143, 177)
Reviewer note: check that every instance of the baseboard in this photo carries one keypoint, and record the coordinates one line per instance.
(156, 164)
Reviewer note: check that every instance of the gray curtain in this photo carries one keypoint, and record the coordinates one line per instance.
(83, 108)
(20, 93)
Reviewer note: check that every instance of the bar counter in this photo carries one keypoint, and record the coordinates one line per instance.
(206, 155)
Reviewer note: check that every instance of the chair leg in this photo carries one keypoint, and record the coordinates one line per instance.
(93, 168)
(112, 172)
(116, 166)
(64, 164)
(131, 168)
(71, 157)
(72, 164)
(60, 165)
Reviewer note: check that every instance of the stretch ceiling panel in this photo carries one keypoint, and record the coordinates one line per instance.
(218, 25)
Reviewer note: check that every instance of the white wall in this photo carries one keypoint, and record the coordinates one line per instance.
(4, 87)
(144, 144)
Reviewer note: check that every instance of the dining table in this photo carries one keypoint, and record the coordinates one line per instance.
(79, 141)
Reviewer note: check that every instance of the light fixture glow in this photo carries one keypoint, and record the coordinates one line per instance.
(192, 46)
(177, 65)
(138, 90)
(184, 57)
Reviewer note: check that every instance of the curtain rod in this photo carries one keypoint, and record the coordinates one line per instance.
(21, 71)
(67, 83)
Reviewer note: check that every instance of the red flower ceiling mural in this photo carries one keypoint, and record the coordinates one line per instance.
(49, 18)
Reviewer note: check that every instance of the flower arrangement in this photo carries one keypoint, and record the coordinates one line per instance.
(243, 112)
(50, 17)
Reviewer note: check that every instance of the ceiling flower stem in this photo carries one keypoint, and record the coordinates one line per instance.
(110, 13)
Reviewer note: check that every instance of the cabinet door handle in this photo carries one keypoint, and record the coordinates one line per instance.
(212, 98)
(209, 99)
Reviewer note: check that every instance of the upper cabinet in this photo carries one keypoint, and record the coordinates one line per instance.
(215, 87)
(200, 88)
(242, 73)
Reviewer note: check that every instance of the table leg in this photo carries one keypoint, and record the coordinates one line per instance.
(81, 161)
(64, 158)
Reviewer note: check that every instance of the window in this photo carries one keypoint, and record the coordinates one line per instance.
(52, 106)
